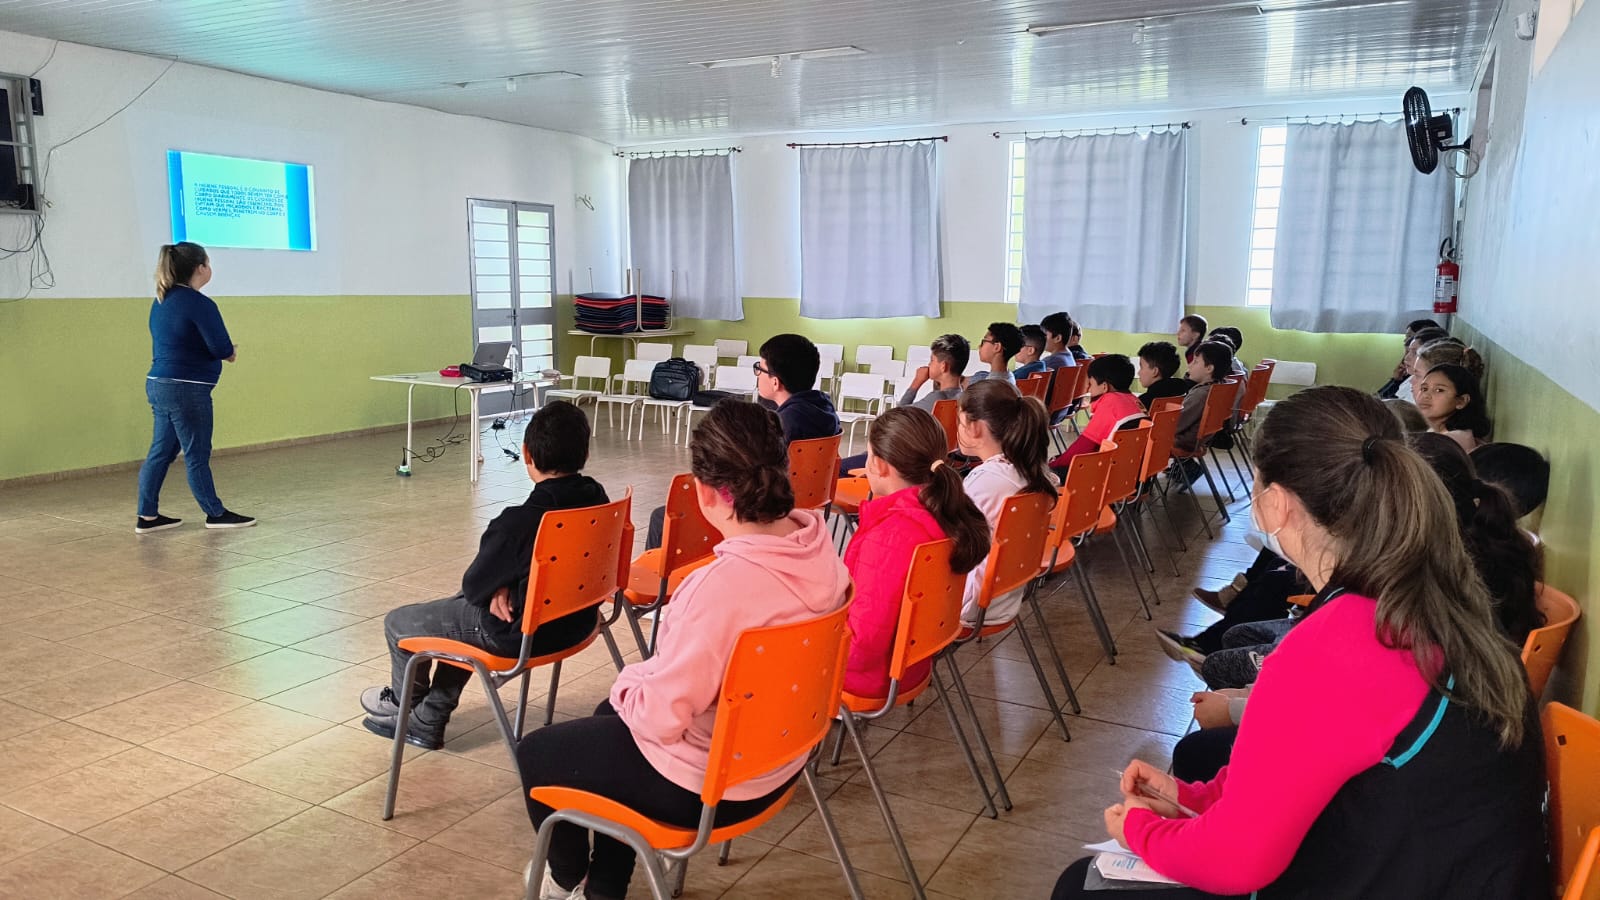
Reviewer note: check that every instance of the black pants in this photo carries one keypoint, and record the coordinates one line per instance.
(658, 524)
(437, 693)
(598, 754)
(1265, 562)
(1070, 887)
(1265, 597)
(1202, 754)
(851, 462)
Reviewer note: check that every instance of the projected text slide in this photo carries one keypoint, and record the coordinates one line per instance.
(227, 201)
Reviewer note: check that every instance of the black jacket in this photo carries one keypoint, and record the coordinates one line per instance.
(1166, 387)
(808, 414)
(505, 552)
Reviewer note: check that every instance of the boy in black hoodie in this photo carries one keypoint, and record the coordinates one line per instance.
(487, 612)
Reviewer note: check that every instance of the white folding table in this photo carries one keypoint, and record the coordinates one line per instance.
(472, 389)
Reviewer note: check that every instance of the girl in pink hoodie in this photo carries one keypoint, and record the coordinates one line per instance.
(917, 499)
(647, 746)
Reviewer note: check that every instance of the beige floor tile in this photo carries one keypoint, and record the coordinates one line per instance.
(781, 873)
(256, 575)
(324, 765)
(500, 833)
(270, 673)
(362, 642)
(314, 586)
(1001, 859)
(930, 832)
(50, 751)
(15, 720)
(429, 871)
(74, 621)
(292, 626)
(308, 856)
(36, 601)
(164, 710)
(175, 593)
(88, 689)
(194, 823)
(335, 697)
(375, 599)
(21, 835)
(328, 556)
(232, 609)
(384, 565)
(270, 545)
(138, 637)
(1068, 802)
(436, 791)
(200, 655)
(932, 771)
(230, 740)
(103, 790)
(1011, 728)
(174, 888)
(1103, 747)
(74, 869)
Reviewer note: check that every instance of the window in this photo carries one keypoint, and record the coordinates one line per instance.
(1264, 224)
(1015, 163)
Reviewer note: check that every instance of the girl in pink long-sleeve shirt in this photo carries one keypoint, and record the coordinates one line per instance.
(647, 746)
(1392, 748)
(917, 499)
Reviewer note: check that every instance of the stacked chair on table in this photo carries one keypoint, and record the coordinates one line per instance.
(599, 313)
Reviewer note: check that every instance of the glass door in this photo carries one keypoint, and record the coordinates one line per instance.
(513, 286)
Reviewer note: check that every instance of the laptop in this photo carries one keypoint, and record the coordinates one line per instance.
(492, 354)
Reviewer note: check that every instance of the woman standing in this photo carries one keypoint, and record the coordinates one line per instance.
(189, 346)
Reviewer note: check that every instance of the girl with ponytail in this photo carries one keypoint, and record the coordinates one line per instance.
(1010, 436)
(1417, 760)
(917, 498)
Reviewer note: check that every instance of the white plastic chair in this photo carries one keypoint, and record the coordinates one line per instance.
(634, 372)
(733, 379)
(653, 350)
(746, 361)
(704, 356)
(888, 368)
(917, 356)
(975, 365)
(867, 354)
(866, 388)
(588, 380)
(729, 349)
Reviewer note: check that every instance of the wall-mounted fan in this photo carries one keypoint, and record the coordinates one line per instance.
(1429, 135)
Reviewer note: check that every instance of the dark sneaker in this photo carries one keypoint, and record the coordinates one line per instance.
(1217, 601)
(1180, 648)
(418, 734)
(141, 525)
(380, 702)
(229, 520)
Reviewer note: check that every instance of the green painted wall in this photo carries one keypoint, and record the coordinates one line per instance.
(1528, 408)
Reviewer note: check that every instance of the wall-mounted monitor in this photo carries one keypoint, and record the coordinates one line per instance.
(229, 201)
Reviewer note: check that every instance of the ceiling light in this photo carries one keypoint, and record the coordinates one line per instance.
(766, 59)
(512, 81)
(1245, 11)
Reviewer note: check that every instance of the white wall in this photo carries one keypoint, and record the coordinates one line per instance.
(975, 192)
(1530, 237)
(391, 180)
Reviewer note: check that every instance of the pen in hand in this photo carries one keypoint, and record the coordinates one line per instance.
(1154, 794)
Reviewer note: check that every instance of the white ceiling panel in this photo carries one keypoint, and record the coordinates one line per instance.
(927, 61)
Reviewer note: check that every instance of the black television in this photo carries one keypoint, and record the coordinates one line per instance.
(14, 193)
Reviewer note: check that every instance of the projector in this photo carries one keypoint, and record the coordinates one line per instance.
(485, 373)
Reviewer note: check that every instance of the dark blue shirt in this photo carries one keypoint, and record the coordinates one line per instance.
(189, 341)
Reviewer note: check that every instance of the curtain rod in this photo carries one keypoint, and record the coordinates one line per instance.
(1107, 129)
(652, 154)
(1336, 117)
(941, 137)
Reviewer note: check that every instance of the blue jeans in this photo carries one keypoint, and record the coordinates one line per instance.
(182, 421)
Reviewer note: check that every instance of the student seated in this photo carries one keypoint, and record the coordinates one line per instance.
(1212, 361)
(1405, 412)
(786, 378)
(1007, 433)
(1110, 405)
(1030, 359)
(917, 498)
(1444, 351)
(1403, 370)
(1521, 471)
(999, 344)
(487, 611)
(947, 360)
(647, 745)
(1422, 338)
(1058, 328)
(1075, 343)
(1158, 364)
(1191, 332)
(1234, 339)
(1444, 731)
(1452, 404)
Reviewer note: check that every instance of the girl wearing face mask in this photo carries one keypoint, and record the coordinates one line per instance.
(1447, 731)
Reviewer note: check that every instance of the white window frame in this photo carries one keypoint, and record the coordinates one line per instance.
(1271, 143)
(1016, 165)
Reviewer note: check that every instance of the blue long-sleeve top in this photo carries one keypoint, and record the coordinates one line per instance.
(188, 338)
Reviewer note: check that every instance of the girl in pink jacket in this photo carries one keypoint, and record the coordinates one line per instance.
(917, 499)
(648, 745)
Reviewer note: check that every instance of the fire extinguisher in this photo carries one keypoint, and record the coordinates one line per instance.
(1447, 280)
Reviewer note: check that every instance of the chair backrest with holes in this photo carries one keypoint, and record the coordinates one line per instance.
(579, 560)
(1218, 409)
(637, 371)
(1572, 763)
(948, 414)
(1084, 494)
(1542, 649)
(1164, 403)
(1255, 388)
(780, 692)
(655, 351)
(1036, 386)
(1163, 434)
(930, 612)
(728, 348)
(866, 354)
(686, 535)
(860, 386)
(1068, 382)
(813, 470)
(1127, 461)
(1016, 554)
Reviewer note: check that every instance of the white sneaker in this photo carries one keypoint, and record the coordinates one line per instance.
(548, 889)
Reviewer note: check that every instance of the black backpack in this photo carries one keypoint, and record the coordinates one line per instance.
(675, 379)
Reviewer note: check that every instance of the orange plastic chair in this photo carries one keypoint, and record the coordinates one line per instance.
(1015, 560)
(1542, 649)
(1163, 431)
(947, 412)
(1161, 404)
(580, 559)
(687, 540)
(1127, 467)
(813, 467)
(1036, 386)
(1066, 385)
(1218, 409)
(930, 619)
(780, 692)
(1076, 516)
(1572, 763)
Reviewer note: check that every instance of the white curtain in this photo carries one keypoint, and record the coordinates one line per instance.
(681, 233)
(1103, 230)
(1358, 230)
(868, 232)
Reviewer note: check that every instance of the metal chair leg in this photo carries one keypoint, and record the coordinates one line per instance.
(1222, 508)
(611, 645)
(402, 722)
(1096, 614)
(895, 837)
(977, 727)
(966, 748)
(1138, 588)
(832, 831)
(1140, 551)
(550, 704)
(1038, 671)
(1205, 518)
(1055, 658)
